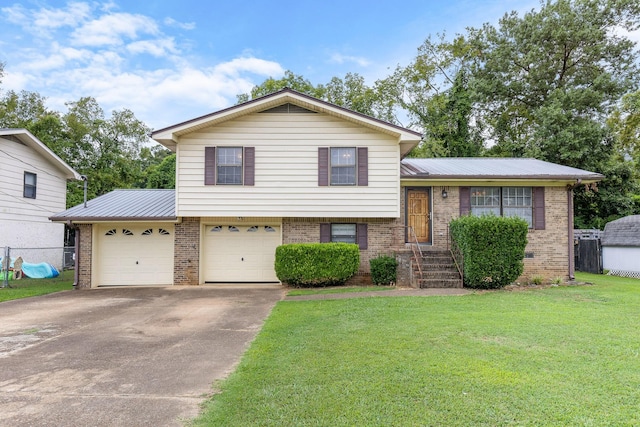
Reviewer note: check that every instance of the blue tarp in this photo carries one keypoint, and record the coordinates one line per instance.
(42, 270)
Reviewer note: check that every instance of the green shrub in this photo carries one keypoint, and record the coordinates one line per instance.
(383, 270)
(537, 279)
(493, 249)
(316, 264)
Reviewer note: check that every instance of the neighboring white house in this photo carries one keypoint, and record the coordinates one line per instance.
(621, 247)
(33, 187)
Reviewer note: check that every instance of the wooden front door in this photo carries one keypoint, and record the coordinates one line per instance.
(419, 215)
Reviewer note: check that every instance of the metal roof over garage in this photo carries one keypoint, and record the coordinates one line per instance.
(124, 205)
(492, 168)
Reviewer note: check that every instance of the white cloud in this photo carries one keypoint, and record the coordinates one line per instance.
(73, 15)
(109, 30)
(157, 48)
(16, 14)
(124, 61)
(341, 59)
(183, 25)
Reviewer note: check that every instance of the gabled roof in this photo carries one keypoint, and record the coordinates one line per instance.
(492, 168)
(124, 205)
(622, 232)
(27, 138)
(169, 136)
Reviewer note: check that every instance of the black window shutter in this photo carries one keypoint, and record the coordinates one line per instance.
(249, 165)
(361, 236)
(323, 166)
(363, 166)
(538, 208)
(209, 165)
(325, 232)
(465, 200)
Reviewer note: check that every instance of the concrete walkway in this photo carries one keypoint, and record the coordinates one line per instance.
(123, 356)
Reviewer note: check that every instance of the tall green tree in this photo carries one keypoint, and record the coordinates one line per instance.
(105, 150)
(433, 91)
(350, 92)
(547, 81)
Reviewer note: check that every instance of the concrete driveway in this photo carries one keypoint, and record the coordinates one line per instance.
(123, 356)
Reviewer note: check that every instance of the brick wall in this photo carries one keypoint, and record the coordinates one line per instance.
(186, 267)
(380, 233)
(85, 254)
(549, 246)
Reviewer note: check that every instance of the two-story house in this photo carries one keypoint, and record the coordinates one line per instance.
(289, 168)
(34, 187)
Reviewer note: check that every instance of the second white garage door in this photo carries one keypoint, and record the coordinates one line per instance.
(240, 253)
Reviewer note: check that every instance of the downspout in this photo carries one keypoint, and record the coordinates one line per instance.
(76, 253)
(570, 234)
(572, 260)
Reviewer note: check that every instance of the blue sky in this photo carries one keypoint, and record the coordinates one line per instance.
(170, 61)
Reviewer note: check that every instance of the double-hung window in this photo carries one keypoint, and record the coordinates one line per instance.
(343, 166)
(229, 165)
(345, 233)
(29, 189)
(503, 201)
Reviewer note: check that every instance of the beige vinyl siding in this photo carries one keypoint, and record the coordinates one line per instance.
(16, 159)
(286, 169)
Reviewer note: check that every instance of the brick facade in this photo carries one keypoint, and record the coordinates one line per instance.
(85, 254)
(549, 247)
(380, 233)
(186, 261)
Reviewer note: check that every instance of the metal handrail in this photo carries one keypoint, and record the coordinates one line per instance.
(456, 253)
(415, 247)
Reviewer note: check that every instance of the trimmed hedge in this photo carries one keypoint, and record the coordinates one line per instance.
(316, 264)
(383, 270)
(493, 249)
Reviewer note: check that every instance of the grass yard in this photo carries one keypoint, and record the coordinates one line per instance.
(338, 290)
(555, 356)
(32, 287)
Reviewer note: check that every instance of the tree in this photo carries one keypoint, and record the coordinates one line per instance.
(290, 80)
(433, 90)
(162, 175)
(548, 80)
(350, 92)
(104, 150)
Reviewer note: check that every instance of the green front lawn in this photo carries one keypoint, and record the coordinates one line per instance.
(31, 287)
(567, 355)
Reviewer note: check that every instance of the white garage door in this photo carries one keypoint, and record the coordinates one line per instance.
(240, 253)
(134, 254)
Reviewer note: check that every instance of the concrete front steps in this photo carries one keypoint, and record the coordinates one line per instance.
(438, 270)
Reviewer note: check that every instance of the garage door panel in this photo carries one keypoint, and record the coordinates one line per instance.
(240, 253)
(135, 255)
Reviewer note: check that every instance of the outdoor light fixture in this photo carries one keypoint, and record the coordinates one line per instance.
(444, 193)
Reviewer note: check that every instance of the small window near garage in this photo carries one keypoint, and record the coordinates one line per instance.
(233, 229)
(269, 229)
(147, 232)
(345, 233)
(111, 232)
(30, 180)
(216, 229)
(127, 232)
(163, 232)
(252, 229)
